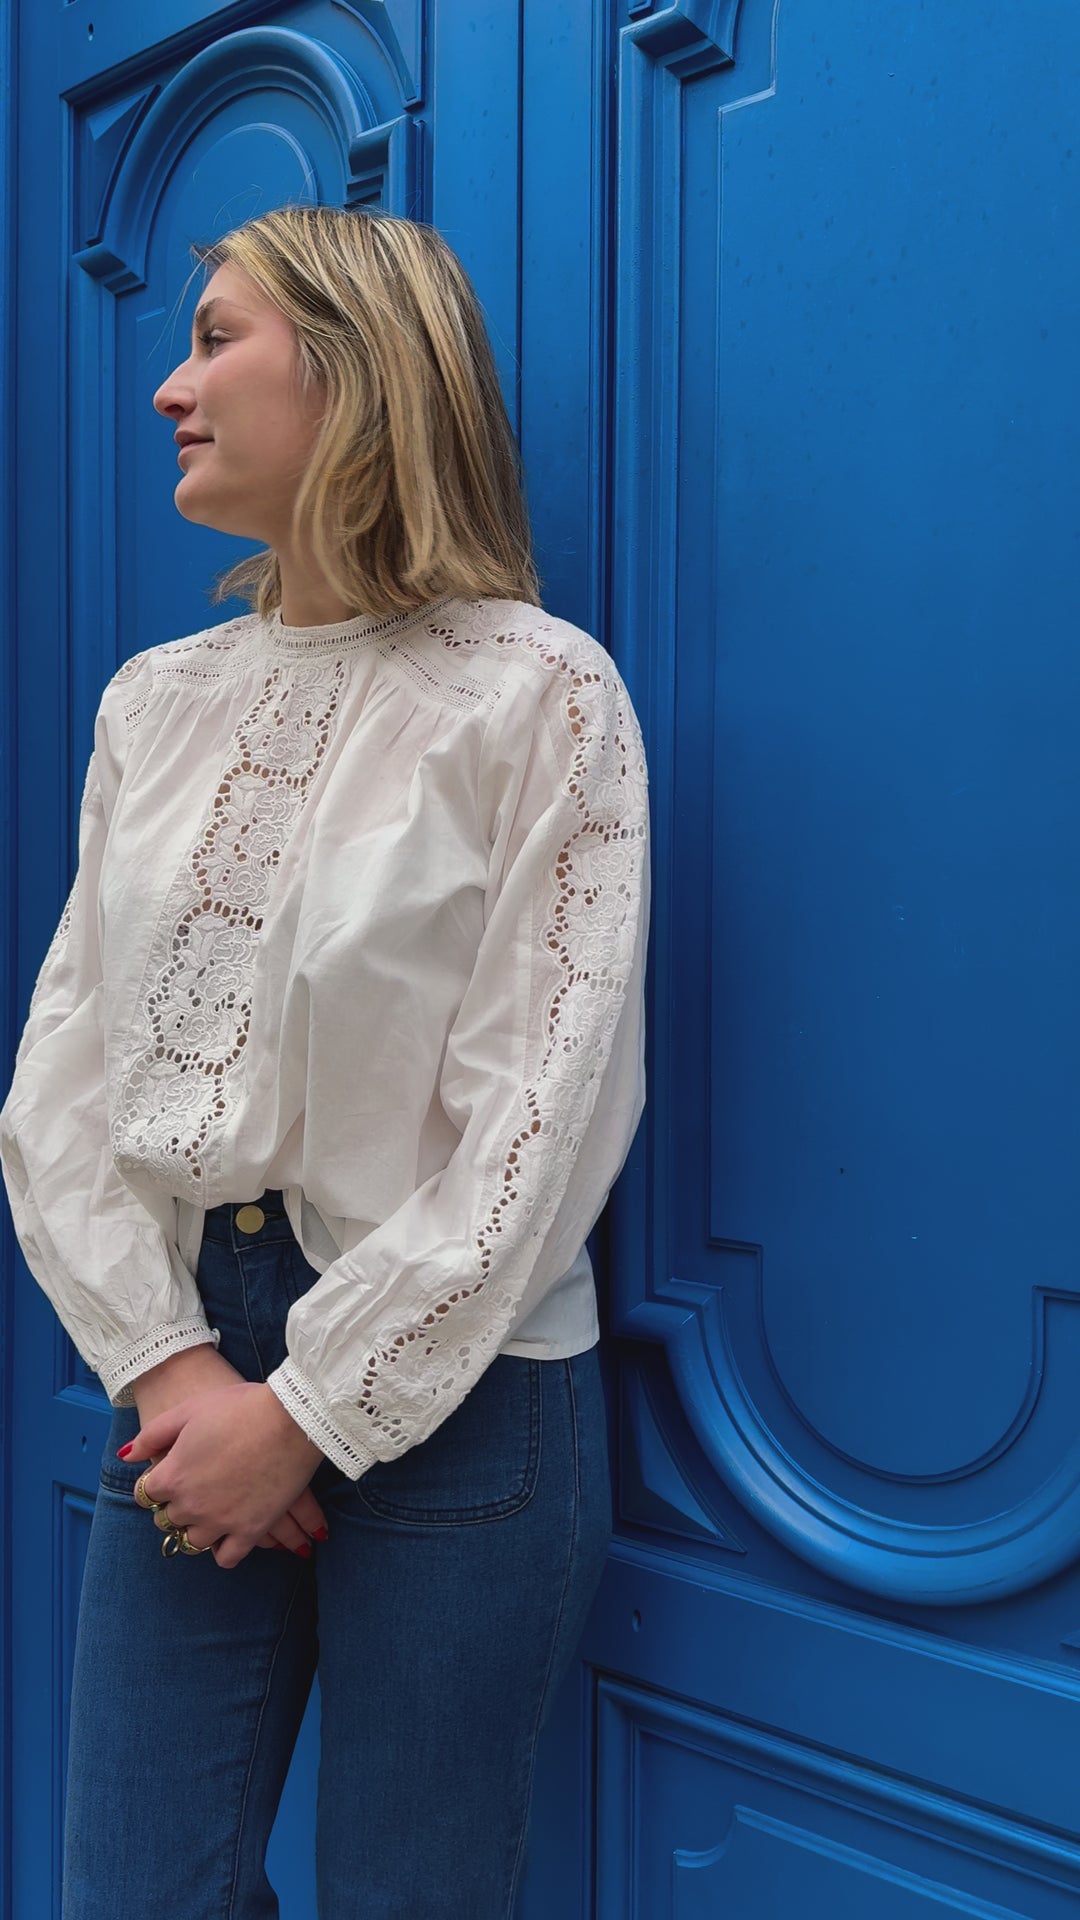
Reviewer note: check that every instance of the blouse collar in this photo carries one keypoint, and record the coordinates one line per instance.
(360, 630)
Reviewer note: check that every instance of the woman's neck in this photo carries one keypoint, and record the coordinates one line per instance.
(306, 598)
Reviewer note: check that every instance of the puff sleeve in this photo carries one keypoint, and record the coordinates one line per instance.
(542, 1075)
(110, 1266)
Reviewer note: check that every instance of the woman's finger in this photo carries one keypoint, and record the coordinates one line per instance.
(158, 1435)
(199, 1536)
(151, 1492)
(229, 1550)
(292, 1536)
(307, 1512)
(285, 1534)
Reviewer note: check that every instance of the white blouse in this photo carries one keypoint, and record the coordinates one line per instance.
(360, 913)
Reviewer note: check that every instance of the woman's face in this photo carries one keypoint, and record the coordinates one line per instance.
(238, 391)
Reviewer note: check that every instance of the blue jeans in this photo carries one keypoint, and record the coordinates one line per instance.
(441, 1614)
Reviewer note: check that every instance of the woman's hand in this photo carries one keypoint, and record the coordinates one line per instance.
(234, 1463)
(175, 1387)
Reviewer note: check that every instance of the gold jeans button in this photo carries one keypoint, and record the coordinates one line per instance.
(250, 1219)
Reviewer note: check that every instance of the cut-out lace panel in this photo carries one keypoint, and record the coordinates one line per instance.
(194, 1011)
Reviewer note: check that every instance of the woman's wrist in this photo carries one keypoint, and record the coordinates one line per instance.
(188, 1371)
(293, 1434)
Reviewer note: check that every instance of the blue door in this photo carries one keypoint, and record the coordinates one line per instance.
(785, 300)
(832, 1672)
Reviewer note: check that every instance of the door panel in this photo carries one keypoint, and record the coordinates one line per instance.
(748, 1826)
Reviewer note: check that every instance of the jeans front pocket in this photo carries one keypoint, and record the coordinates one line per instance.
(480, 1464)
(120, 1475)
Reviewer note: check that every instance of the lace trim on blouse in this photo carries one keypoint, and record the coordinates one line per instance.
(299, 1398)
(174, 1336)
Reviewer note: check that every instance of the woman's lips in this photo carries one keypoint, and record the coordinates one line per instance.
(189, 445)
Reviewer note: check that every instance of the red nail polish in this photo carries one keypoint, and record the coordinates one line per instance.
(321, 1533)
(122, 1452)
(304, 1551)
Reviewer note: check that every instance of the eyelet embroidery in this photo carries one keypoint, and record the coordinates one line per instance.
(195, 1010)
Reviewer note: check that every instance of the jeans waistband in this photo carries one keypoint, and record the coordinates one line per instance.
(220, 1222)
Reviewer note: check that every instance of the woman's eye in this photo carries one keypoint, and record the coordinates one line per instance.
(206, 338)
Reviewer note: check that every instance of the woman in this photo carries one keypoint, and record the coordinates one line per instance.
(330, 1066)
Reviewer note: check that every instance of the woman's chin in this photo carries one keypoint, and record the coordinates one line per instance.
(203, 513)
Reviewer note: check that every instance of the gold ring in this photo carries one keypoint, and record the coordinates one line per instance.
(185, 1543)
(141, 1494)
(170, 1545)
(161, 1518)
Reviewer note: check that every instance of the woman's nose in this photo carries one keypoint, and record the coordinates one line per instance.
(168, 394)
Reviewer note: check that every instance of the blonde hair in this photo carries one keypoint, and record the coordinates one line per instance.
(414, 489)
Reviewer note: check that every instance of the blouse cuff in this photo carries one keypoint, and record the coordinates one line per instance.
(300, 1397)
(118, 1375)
